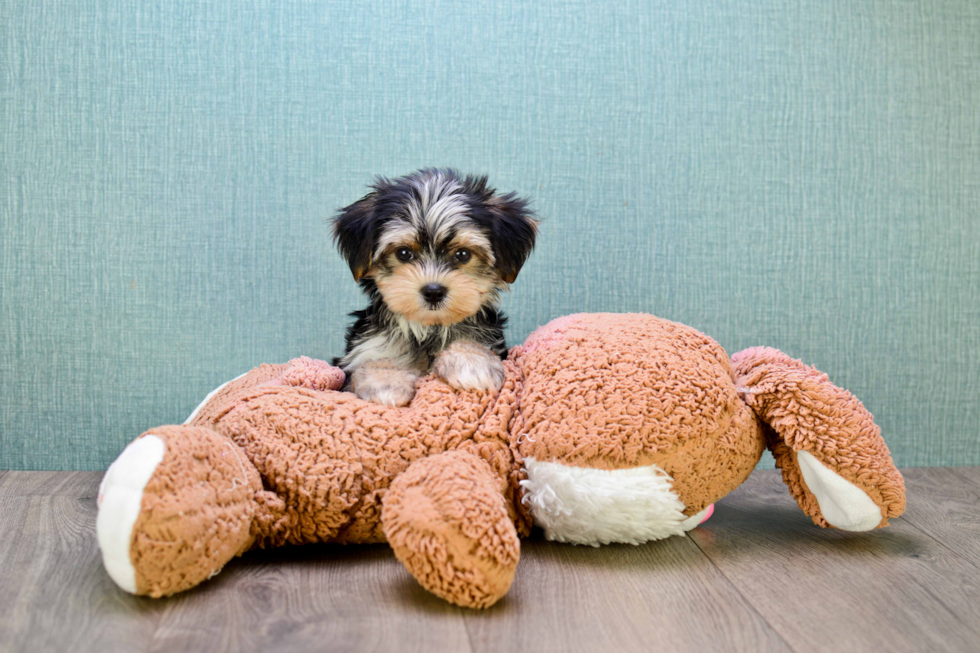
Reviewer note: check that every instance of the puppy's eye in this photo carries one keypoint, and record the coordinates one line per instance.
(462, 255)
(404, 254)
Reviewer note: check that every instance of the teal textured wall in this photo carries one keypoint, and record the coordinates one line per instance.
(804, 175)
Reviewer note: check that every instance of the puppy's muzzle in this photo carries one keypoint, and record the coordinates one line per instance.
(433, 293)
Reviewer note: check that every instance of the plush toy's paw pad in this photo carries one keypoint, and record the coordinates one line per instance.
(469, 366)
(119, 502)
(843, 504)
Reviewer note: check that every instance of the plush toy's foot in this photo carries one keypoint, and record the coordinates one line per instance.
(833, 458)
(174, 508)
(446, 521)
(120, 499)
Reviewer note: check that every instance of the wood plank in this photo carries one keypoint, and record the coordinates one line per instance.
(969, 474)
(893, 589)
(50, 484)
(58, 591)
(322, 597)
(943, 502)
(54, 593)
(757, 576)
(659, 596)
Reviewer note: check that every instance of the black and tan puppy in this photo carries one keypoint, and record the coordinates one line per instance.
(432, 250)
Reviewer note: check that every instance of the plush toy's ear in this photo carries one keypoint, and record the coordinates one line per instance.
(512, 233)
(354, 233)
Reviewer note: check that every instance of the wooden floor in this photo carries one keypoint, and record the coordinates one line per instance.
(756, 577)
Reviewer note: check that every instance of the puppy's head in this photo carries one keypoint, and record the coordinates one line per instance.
(436, 245)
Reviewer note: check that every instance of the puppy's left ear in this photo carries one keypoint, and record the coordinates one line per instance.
(512, 233)
(354, 232)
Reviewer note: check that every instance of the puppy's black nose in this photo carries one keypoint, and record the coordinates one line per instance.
(434, 292)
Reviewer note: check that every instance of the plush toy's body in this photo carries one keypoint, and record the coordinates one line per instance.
(608, 428)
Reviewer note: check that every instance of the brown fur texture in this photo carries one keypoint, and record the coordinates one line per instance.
(279, 457)
(804, 411)
(467, 291)
(614, 391)
(446, 521)
(197, 511)
(329, 457)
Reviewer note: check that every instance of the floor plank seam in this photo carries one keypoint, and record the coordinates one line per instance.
(744, 598)
(932, 537)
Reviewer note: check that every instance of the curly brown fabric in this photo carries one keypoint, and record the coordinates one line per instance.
(447, 522)
(302, 372)
(279, 456)
(804, 411)
(614, 391)
(196, 512)
(330, 457)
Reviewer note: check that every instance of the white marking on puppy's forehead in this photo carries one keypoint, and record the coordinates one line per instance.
(445, 215)
(435, 186)
(440, 208)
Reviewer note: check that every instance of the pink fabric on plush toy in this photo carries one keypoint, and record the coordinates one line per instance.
(710, 510)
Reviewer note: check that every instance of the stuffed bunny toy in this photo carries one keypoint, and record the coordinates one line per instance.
(608, 428)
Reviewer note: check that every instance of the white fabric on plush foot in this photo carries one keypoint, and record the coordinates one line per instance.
(843, 504)
(120, 498)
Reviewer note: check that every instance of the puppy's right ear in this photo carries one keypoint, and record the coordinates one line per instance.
(354, 234)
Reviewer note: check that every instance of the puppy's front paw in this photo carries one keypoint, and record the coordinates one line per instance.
(469, 366)
(384, 383)
(387, 394)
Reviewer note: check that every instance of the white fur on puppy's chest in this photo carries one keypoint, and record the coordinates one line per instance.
(596, 506)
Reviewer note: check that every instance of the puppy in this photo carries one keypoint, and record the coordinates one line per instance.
(432, 251)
